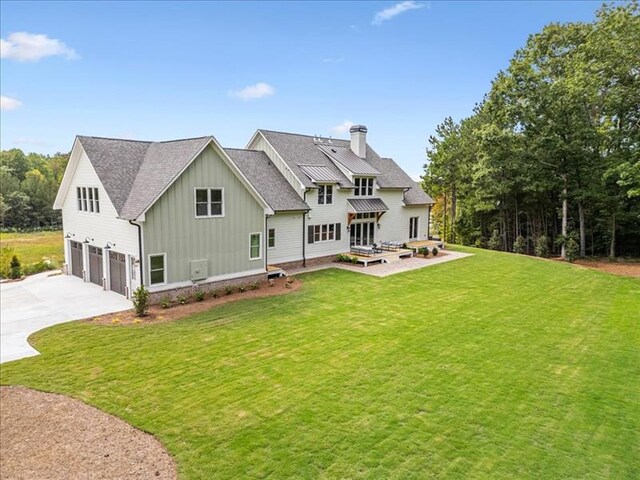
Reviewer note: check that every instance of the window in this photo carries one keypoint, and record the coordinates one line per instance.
(209, 202)
(254, 248)
(325, 194)
(413, 227)
(365, 215)
(88, 200)
(157, 269)
(364, 186)
(271, 238)
(324, 233)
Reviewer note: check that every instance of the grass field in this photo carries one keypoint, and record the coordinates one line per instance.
(495, 366)
(33, 247)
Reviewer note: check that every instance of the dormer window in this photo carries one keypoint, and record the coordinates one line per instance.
(325, 194)
(364, 186)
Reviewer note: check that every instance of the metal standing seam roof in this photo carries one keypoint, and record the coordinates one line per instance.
(367, 205)
(267, 180)
(349, 160)
(319, 173)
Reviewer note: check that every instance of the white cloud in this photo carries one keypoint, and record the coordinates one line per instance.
(397, 9)
(252, 92)
(31, 47)
(36, 142)
(343, 127)
(8, 103)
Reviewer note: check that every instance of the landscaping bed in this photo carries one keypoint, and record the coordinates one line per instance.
(177, 310)
(51, 436)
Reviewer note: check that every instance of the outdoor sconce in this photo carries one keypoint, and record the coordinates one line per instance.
(88, 240)
(68, 235)
(109, 245)
(379, 225)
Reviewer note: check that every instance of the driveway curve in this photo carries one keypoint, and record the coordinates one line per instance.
(47, 299)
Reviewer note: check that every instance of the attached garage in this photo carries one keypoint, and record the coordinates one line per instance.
(95, 265)
(77, 265)
(117, 272)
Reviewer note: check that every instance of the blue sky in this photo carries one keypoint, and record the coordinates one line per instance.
(159, 71)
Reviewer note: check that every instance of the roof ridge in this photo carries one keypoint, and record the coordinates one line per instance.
(185, 139)
(303, 135)
(116, 139)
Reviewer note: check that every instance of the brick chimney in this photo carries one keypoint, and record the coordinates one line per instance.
(359, 140)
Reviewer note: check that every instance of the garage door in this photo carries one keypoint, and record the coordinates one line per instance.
(95, 265)
(76, 259)
(117, 272)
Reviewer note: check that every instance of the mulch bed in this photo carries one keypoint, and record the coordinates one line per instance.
(157, 314)
(629, 269)
(51, 436)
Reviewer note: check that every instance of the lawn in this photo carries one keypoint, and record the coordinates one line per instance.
(493, 366)
(32, 247)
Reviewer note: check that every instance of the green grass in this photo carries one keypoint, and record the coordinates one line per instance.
(32, 247)
(494, 366)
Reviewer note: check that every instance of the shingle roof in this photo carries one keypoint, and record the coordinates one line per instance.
(367, 205)
(267, 180)
(349, 160)
(319, 173)
(297, 149)
(135, 173)
(417, 196)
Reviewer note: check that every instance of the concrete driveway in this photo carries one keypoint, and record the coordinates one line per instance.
(43, 300)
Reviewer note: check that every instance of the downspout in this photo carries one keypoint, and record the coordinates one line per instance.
(304, 230)
(266, 242)
(139, 250)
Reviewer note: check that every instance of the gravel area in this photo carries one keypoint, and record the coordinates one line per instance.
(50, 436)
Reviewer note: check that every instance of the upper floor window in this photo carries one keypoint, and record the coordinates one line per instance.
(325, 194)
(364, 186)
(209, 202)
(88, 199)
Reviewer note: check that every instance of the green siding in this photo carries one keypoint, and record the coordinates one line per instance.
(171, 227)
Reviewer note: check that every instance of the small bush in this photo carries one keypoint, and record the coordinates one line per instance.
(141, 300)
(572, 250)
(424, 251)
(347, 259)
(242, 288)
(520, 245)
(38, 267)
(15, 268)
(198, 294)
(166, 301)
(254, 286)
(181, 299)
(214, 294)
(289, 282)
(434, 251)
(272, 283)
(542, 246)
(228, 289)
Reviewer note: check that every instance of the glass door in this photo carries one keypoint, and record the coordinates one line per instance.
(362, 233)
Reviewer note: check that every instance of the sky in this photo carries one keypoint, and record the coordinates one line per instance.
(167, 70)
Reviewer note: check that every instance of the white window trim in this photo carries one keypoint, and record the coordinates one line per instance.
(90, 203)
(325, 186)
(259, 245)
(328, 239)
(149, 268)
(275, 240)
(417, 227)
(195, 206)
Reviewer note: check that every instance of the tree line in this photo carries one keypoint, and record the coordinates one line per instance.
(550, 158)
(29, 183)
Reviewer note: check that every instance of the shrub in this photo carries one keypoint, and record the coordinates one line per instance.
(165, 301)
(572, 250)
(542, 246)
(5, 255)
(15, 268)
(242, 288)
(228, 289)
(424, 251)
(520, 245)
(181, 299)
(346, 258)
(38, 267)
(272, 283)
(434, 251)
(254, 286)
(288, 282)
(198, 294)
(214, 294)
(141, 300)
(494, 242)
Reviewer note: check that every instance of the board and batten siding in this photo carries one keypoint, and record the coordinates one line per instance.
(171, 227)
(288, 247)
(325, 214)
(394, 224)
(260, 143)
(98, 228)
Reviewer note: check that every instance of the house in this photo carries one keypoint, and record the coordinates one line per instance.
(173, 214)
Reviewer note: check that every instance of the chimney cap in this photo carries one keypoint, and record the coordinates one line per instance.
(358, 128)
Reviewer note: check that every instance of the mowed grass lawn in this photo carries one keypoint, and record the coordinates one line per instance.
(34, 247)
(494, 366)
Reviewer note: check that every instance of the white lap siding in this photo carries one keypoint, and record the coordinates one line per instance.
(327, 214)
(394, 224)
(97, 228)
(288, 238)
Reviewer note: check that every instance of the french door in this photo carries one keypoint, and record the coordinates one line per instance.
(362, 233)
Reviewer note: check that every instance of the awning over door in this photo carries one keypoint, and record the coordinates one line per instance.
(366, 205)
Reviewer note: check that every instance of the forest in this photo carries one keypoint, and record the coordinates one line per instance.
(29, 186)
(549, 161)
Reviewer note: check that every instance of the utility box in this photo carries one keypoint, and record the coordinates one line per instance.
(199, 269)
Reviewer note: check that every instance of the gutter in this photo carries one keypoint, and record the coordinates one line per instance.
(139, 250)
(304, 230)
